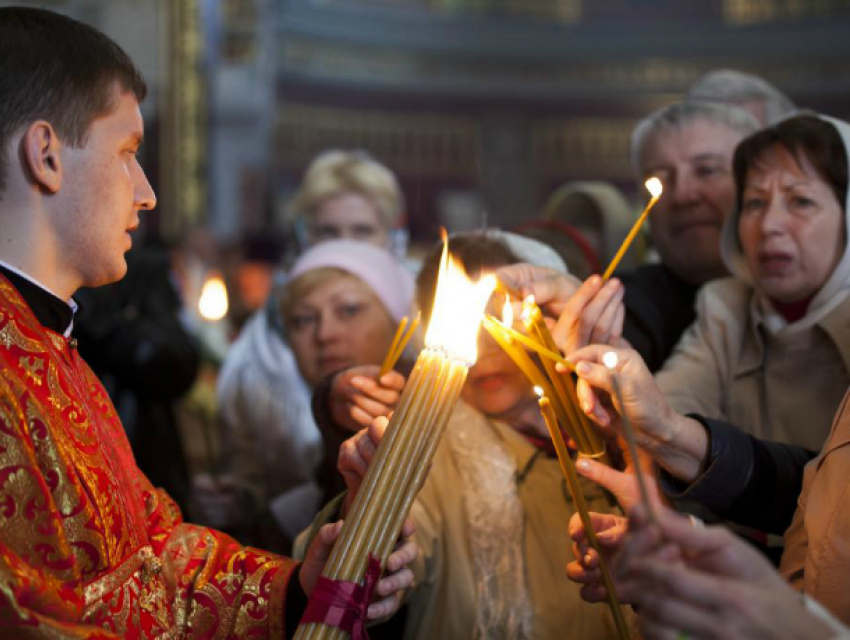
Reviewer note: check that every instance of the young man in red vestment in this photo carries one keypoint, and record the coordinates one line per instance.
(88, 548)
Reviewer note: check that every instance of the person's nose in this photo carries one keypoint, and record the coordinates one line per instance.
(683, 190)
(774, 217)
(143, 196)
(329, 328)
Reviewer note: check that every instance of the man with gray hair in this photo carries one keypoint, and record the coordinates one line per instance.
(689, 147)
(727, 86)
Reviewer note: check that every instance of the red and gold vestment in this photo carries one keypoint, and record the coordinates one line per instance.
(88, 548)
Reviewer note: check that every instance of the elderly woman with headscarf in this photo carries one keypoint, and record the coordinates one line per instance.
(340, 308)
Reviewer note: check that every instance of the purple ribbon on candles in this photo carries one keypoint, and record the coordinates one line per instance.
(343, 604)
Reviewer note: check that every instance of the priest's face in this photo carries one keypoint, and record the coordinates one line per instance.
(694, 163)
(103, 189)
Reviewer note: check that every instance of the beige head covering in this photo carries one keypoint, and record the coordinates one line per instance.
(613, 208)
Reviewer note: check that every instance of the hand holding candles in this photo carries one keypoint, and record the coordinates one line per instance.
(610, 361)
(655, 188)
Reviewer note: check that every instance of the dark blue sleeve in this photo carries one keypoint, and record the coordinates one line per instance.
(746, 480)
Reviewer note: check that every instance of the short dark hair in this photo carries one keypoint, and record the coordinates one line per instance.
(803, 136)
(60, 70)
(477, 251)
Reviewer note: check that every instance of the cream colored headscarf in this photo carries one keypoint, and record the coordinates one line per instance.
(834, 290)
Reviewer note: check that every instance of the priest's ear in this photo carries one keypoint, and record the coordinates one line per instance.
(40, 155)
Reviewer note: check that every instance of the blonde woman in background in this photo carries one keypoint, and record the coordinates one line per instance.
(345, 195)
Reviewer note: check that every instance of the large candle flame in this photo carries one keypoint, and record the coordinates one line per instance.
(459, 305)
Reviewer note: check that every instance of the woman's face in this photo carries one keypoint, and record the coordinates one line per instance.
(340, 323)
(348, 216)
(791, 226)
(495, 386)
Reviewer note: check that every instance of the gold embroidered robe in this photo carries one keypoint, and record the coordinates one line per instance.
(88, 548)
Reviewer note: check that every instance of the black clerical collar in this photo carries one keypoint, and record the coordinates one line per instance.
(52, 312)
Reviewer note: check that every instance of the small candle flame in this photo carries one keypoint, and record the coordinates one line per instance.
(508, 313)
(538, 391)
(610, 360)
(459, 305)
(213, 304)
(654, 186)
(527, 305)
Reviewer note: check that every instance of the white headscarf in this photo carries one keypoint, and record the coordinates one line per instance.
(834, 290)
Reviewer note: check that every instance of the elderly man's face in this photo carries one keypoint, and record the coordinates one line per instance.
(694, 163)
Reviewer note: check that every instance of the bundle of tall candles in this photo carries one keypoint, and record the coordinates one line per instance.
(338, 604)
(559, 388)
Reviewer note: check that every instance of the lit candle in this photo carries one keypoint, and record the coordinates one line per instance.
(568, 468)
(212, 305)
(535, 346)
(590, 443)
(610, 361)
(655, 188)
(400, 463)
(504, 337)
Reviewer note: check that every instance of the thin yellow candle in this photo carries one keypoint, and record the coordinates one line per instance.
(533, 345)
(537, 378)
(571, 476)
(399, 344)
(590, 442)
(655, 188)
(389, 361)
(610, 360)
(582, 441)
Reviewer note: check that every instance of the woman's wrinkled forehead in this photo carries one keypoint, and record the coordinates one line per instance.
(782, 157)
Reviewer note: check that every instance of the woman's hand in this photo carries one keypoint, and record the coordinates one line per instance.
(551, 289)
(355, 454)
(397, 575)
(594, 314)
(357, 397)
(623, 485)
(706, 582)
(677, 443)
(611, 532)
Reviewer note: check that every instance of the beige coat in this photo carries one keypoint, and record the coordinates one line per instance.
(491, 521)
(780, 384)
(817, 545)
